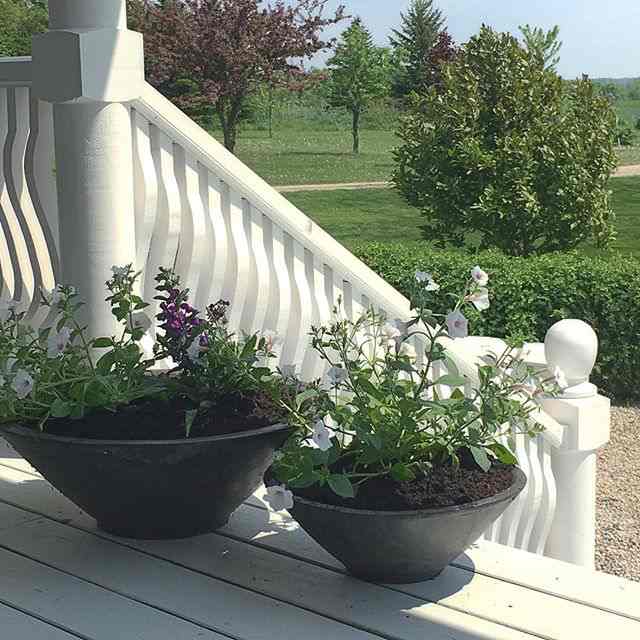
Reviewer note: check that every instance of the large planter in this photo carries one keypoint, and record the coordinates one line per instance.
(401, 546)
(153, 489)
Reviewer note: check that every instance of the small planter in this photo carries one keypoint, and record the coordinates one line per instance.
(401, 546)
(155, 489)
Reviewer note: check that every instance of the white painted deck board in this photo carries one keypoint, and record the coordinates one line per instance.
(511, 595)
(85, 609)
(15, 625)
(164, 585)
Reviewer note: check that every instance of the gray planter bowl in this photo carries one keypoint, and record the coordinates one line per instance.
(401, 546)
(153, 489)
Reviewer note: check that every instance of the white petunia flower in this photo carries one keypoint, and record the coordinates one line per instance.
(479, 276)
(195, 350)
(408, 351)
(457, 325)
(138, 320)
(480, 299)
(22, 384)
(279, 498)
(321, 436)
(427, 279)
(272, 339)
(390, 330)
(57, 342)
(561, 378)
(337, 375)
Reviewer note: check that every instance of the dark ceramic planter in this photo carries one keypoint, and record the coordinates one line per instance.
(401, 546)
(156, 489)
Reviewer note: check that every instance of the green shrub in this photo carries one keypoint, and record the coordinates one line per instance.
(624, 133)
(508, 152)
(532, 293)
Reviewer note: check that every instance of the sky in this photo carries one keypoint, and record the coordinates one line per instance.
(600, 37)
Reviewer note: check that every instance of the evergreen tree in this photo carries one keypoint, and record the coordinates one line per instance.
(412, 45)
(359, 73)
(545, 45)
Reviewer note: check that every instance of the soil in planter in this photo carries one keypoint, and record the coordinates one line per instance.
(444, 487)
(158, 420)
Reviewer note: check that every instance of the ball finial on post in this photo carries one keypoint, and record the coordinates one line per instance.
(572, 347)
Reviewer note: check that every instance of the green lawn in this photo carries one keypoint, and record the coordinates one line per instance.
(301, 156)
(382, 215)
(297, 156)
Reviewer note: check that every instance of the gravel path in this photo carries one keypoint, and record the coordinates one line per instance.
(618, 502)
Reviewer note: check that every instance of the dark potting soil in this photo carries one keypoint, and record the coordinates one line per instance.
(159, 420)
(443, 487)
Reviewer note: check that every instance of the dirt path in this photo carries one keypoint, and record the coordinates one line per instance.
(622, 172)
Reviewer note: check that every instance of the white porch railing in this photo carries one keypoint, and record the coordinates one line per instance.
(188, 202)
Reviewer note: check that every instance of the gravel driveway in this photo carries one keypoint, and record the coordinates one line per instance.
(618, 503)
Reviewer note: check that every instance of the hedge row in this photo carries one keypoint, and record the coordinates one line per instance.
(530, 294)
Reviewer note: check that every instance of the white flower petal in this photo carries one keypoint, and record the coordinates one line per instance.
(479, 276)
(457, 325)
(561, 378)
(322, 436)
(22, 384)
(279, 498)
(480, 299)
(337, 375)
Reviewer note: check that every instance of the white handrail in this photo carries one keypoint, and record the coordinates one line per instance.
(184, 131)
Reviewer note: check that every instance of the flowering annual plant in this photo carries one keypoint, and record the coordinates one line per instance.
(59, 373)
(385, 410)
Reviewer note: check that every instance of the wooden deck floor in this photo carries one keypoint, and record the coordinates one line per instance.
(262, 578)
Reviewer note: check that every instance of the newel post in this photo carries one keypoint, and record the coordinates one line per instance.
(572, 346)
(90, 66)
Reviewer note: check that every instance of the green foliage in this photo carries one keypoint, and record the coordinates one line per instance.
(358, 74)
(381, 414)
(19, 20)
(412, 45)
(624, 133)
(508, 151)
(533, 293)
(544, 45)
(59, 372)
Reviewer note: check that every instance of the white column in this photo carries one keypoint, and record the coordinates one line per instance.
(571, 346)
(89, 66)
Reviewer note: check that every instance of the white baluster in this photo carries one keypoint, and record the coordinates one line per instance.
(571, 346)
(146, 203)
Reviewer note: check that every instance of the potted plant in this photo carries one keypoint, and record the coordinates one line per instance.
(387, 472)
(148, 454)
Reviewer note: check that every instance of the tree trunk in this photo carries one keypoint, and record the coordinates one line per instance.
(356, 130)
(229, 115)
(270, 111)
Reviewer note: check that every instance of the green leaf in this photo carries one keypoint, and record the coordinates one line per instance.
(102, 343)
(189, 417)
(503, 454)
(60, 408)
(450, 380)
(301, 398)
(481, 458)
(402, 473)
(341, 485)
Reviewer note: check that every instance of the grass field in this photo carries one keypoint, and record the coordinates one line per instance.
(306, 157)
(299, 156)
(382, 215)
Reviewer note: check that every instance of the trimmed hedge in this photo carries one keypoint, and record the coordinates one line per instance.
(530, 294)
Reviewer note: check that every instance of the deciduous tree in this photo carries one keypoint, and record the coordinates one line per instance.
(224, 49)
(358, 74)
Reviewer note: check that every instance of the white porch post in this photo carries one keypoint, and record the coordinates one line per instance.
(572, 346)
(89, 66)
